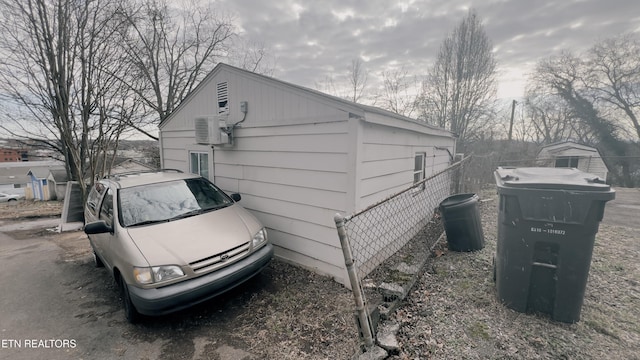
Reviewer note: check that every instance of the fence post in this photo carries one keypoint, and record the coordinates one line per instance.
(461, 182)
(364, 322)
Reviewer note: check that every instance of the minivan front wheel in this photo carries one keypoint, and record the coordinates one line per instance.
(130, 311)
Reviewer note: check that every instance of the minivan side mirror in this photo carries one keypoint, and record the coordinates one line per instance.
(97, 227)
(236, 197)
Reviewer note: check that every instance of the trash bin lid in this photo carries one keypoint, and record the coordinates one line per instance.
(549, 178)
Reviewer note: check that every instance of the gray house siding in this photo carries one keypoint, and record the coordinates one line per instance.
(289, 163)
(387, 167)
(299, 157)
(293, 178)
(388, 159)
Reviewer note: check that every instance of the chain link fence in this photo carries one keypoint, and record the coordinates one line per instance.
(397, 231)
(381, 242)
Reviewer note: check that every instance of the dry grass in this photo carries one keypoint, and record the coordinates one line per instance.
(453, 312)
(29, 209)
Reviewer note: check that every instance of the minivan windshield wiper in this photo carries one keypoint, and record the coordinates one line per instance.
(198, 211)
(147, 222)
(187, 214)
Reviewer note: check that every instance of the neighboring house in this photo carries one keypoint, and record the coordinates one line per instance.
(58, 183)
(573, 155)
(15, 178)
(298, 156)
(38, 187)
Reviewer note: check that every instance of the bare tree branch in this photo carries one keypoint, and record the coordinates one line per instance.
(58, 53)
(459, 90)
(399, 92)
(172, 49)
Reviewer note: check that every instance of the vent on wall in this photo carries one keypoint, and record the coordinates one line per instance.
(223, 98)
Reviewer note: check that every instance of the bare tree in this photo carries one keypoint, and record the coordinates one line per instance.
(358, 76)
(551, 119)
(399, 92)
(251, 55)
(350, 85)
(567, 76)
(461, 86)
(613, 75)
(59, 63)
(172, 49)
(328, 85)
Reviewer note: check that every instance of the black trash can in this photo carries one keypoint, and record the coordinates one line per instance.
(547, 222)
(461, 220)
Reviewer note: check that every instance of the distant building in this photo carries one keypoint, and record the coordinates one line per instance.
(42, 183)
(13, 155)
(23, 177)
(58, 183)
(573, 155)
(13, 179)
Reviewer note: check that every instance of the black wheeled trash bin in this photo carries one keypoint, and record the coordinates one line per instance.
(461, 220)
(547, 222)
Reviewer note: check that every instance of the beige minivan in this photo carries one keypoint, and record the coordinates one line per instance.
(171, 239)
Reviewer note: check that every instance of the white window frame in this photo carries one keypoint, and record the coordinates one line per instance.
(199, 162)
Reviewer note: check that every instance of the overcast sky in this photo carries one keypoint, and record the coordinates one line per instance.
(315, 39)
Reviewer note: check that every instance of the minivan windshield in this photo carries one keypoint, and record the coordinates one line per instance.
(167, 201)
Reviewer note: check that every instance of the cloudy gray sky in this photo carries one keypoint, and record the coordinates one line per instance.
(315, 39)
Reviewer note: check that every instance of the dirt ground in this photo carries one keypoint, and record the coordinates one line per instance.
(452, 313)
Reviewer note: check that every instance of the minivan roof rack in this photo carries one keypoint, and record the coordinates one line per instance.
(110, 176)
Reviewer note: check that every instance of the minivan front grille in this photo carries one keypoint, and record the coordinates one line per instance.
(219, 260)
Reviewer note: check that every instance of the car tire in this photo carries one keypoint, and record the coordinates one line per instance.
(96, 261)
(130, 313)
(10, 200)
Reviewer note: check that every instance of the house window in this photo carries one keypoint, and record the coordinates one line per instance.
(223, 98)
(200, 164)
(418, 167)
(567, 162)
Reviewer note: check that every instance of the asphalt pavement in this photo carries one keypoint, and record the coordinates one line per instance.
(35, 304)
(53, 308)
(624, 209)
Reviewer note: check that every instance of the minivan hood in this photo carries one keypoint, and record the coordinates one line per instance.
(194, 238)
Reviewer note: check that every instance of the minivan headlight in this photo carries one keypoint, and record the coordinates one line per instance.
(259, 238)
(155, 274)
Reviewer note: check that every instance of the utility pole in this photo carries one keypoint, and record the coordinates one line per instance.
(513, 110)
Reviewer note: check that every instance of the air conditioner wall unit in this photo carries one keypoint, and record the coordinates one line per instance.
(209, 130)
